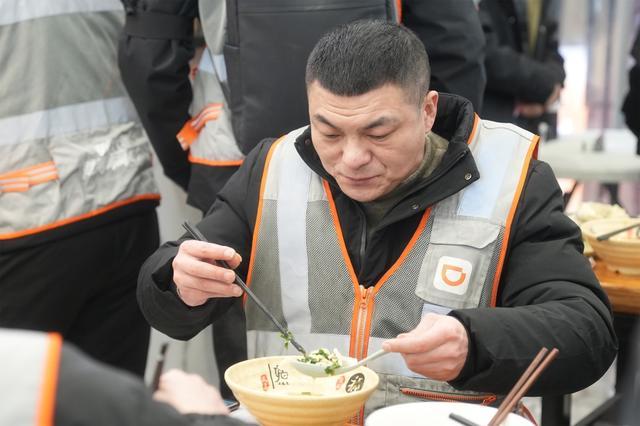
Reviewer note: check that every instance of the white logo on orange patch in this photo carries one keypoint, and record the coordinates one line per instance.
(452, 275)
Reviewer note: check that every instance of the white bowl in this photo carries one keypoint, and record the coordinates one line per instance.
(437, 414)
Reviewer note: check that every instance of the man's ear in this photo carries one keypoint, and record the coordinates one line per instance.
(430, 110)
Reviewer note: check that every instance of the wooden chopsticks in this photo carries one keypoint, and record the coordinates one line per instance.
(531, 374)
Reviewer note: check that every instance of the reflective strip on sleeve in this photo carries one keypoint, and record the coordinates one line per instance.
(12, 11)
(67, 119)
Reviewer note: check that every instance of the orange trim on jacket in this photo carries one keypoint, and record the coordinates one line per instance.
(474, 129)
(512, 211)
(79, 218)
(46, 406)
(256, 227)
(399, 10)
(214, 163)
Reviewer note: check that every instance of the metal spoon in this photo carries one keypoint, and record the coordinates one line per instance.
(608, 235)
(348, 364)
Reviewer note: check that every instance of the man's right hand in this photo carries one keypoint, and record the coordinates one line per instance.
(197, 275)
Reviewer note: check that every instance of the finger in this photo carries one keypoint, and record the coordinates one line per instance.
(208, 251)
(162, 396)
(414, 342)
(211, 288)
(235, 261)
(196, 297)
(185, 263)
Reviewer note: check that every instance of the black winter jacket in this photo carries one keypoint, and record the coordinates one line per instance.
(514, 72)
(548, 294)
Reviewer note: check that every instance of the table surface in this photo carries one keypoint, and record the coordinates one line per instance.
(572, 156)
(623, 290)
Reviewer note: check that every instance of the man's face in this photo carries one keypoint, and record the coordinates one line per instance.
(369, 143)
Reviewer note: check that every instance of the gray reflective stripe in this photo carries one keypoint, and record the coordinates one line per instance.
(292, 244)
(213, 14)
(12, 11)
(430, 308)
(268, 343)
(59, 60)
(213, 64)
(500, 158)
(22, 357)
(216, 141)
(68, 119)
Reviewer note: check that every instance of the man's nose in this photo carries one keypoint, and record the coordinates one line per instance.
(355, 154)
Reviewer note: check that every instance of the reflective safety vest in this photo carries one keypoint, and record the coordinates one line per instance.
(208, 135)
(71, 146)
(300, 267)
(29, 377)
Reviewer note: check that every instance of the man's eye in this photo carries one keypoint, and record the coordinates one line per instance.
(331, 136)
(379, 137)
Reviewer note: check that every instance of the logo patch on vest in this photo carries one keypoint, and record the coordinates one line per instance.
(452, 275)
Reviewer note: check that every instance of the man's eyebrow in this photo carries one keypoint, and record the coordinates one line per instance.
(382, 121)
(323, 120)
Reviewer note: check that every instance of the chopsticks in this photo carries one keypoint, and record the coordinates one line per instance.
(608, 235)
(155, 382)
(197, 235)
(531, 374)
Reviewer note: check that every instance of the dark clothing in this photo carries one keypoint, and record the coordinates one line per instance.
(452, 34)
(83, 287)
(631, 105)
(154, 67)
(515, 71)
(548, 294)
(90, 393)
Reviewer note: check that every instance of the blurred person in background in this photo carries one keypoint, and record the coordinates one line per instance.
(249, 84)
(525, 71)
(53, 383)
(631, 105)
(77, 195)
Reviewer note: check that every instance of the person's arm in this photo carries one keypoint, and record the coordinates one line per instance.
(153, 56)
(515, 73)
(91, 393)
(548, 296)
(229, 223)
(452, 35)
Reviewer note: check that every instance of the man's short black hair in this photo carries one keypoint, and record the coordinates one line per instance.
(356, 58)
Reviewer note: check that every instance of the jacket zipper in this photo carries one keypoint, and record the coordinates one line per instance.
(450, 397)
(366, 296)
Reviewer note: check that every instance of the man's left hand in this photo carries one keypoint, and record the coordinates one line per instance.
(437, 348)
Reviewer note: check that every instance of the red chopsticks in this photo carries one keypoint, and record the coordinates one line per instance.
(531, 374)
